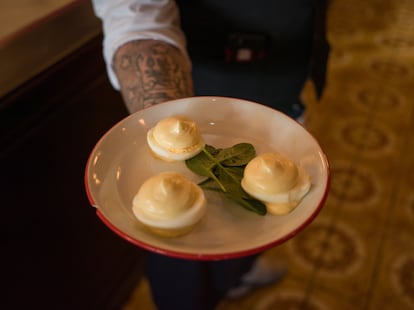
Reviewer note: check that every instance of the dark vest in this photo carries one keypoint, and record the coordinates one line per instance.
(280, 35)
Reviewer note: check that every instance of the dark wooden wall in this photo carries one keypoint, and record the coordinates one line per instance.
(55, 252)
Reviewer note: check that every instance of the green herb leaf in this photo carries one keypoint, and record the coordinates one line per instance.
(223, 169)
(230, 177)
(210, 184)
(251, 204)
(237, 155)
(201, 164)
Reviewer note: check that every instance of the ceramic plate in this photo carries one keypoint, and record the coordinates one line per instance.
(121, 162)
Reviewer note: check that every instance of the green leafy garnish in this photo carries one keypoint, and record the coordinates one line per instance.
(223, 169)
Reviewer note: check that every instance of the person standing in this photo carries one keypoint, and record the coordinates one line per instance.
(263, 51)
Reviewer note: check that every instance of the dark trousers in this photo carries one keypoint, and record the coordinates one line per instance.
(179, 284)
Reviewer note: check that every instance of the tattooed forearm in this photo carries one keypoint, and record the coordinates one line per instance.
(150, 72)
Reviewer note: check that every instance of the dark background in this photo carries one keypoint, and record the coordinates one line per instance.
(56, 253)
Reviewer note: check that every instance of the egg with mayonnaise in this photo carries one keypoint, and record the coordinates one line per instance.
(169, 204)
(175, 138)
(276, 181)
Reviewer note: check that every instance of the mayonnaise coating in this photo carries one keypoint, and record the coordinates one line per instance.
(276, 181)
(169, 200)
(270, 173)
(175, 138)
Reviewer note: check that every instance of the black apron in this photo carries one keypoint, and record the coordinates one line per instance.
(260, 50)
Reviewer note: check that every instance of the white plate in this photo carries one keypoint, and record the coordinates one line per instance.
(121, 162)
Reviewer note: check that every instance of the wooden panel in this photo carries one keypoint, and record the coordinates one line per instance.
(39, 45)
(55, 251)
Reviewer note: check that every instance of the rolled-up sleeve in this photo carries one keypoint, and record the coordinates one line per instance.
(128, 20)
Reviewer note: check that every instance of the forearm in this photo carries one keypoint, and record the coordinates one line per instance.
(151, 72)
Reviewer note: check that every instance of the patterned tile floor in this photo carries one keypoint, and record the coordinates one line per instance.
(359, 252)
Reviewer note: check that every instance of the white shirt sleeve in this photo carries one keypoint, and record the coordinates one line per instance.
(128, 20)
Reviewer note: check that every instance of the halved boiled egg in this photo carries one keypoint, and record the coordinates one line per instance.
(175, 138)
(169, 204)
(276, 181)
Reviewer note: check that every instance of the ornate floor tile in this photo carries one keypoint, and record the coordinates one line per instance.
(289, 294)
(354, 185)
(389, 70)
(394, 287)
(402, 278)
(333, 249)
(378, 100)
